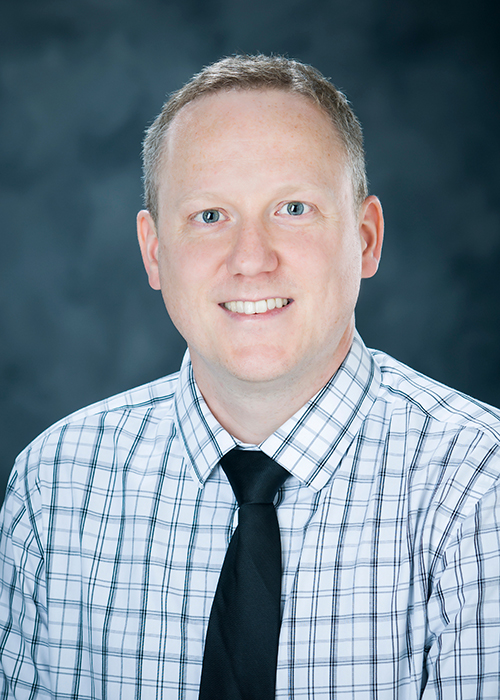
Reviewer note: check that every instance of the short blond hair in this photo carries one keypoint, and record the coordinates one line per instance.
(257, 73)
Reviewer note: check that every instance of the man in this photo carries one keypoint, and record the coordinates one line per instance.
(258, 230)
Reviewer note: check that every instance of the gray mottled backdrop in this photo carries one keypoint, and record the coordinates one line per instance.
(80, 79)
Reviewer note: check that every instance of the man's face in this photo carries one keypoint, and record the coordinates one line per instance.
(259, 250)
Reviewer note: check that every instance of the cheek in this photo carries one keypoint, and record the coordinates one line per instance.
(333, 281)
(185, 273)
(176, 283)
(176, 266)
(336, 263)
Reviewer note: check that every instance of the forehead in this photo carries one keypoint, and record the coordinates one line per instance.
(267, 116)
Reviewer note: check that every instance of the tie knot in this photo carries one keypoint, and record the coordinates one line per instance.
(254, 477)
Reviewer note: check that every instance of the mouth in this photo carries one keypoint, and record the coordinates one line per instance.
(261, 306)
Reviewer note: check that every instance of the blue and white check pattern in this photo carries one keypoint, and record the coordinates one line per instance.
(117, 520)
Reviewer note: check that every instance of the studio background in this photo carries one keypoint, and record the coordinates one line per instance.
(80, 80)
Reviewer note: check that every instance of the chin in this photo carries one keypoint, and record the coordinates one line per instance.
(258, 366)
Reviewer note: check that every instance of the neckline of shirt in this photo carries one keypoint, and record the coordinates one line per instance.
(309, 445)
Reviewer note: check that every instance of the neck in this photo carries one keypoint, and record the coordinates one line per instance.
(252, 411)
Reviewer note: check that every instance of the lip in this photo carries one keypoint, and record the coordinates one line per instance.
(266, 314)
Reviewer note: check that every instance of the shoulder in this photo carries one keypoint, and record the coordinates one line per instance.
(432, 400)
(449, 447)
(154, 399)
(100, 436)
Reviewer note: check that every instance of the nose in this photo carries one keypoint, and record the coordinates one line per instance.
(252, 251)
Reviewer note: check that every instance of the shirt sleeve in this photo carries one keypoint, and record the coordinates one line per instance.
(24, 667)
(463, 659)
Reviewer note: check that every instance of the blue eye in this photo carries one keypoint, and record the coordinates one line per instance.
(295, 208)
(210, 216)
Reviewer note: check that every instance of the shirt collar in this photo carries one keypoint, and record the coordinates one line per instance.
(309, 445)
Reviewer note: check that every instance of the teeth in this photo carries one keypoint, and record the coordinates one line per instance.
(255, 307)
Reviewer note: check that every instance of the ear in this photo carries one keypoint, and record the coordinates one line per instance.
(148, 243)
(371, 230)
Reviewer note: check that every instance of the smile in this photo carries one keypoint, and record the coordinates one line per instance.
(255, 307)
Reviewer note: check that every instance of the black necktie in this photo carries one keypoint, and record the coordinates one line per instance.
(241, 645)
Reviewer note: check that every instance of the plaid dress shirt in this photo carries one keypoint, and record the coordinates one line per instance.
(117, 520)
